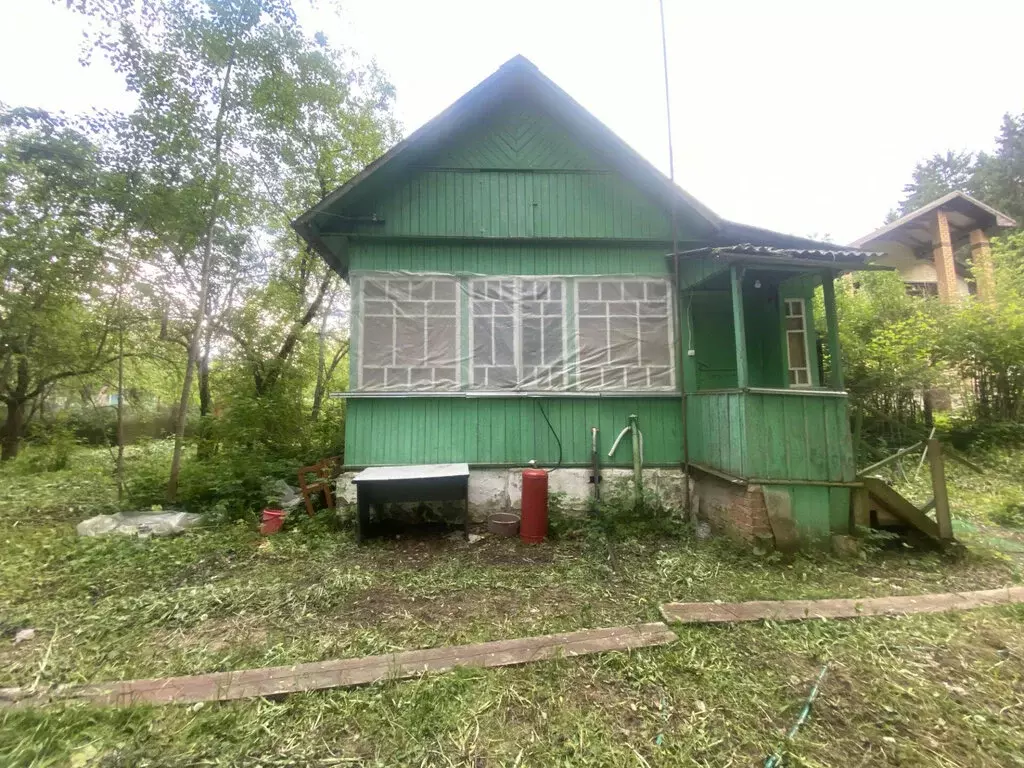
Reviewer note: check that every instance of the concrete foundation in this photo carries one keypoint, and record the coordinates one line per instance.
(501, 490)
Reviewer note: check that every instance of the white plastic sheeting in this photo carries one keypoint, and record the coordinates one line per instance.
(432, 332)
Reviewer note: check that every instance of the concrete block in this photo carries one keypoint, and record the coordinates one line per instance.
(844, 545)
(345, 489)
(670, 486)
(488, 493)
(514, 486)
(575, 485)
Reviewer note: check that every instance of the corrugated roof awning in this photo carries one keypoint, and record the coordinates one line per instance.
(837, 258)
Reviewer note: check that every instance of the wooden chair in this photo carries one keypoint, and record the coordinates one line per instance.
(323, 473)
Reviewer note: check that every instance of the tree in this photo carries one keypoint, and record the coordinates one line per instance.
(985, 340)
(55, 318)
(935, 177)
(1000, 176)
(196, 66)
(319, 122)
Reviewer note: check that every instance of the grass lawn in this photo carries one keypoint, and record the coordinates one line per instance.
(929, 690)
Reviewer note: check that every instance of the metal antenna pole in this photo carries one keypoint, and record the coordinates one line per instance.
(675, 258)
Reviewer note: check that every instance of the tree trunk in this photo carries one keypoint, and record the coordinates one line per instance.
(321, 362)
(119, 462)
(204, 288)
(205, 399)
(204, 447)
(14, 429)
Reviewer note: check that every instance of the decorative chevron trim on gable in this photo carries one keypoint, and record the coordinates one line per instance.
(517, 139)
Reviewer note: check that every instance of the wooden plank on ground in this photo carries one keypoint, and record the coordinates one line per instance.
(275, 681)
(842, 608)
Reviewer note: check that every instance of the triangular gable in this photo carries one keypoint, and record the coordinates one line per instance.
(516, 137)
(515, 78)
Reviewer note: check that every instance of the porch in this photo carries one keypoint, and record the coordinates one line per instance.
(762, 409)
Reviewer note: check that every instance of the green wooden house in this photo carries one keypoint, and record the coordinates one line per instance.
(520, 275)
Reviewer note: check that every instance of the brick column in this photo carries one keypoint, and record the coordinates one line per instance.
(942, 253)
(981, 260)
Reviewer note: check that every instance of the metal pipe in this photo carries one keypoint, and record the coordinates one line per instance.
(890, 459)
(615, 445)
(596, 468)
(638, 460)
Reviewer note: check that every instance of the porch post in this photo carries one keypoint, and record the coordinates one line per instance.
(828, 290)
(736, 280)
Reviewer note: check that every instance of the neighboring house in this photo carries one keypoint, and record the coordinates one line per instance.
(923, 246)
(520, 275)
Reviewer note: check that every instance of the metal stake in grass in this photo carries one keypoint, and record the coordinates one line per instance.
(775, 759)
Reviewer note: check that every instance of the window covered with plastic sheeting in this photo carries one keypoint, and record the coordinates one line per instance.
(436, 333)
(518, 333)
(625, 334)
(409, 333)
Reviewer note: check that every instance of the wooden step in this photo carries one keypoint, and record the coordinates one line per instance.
(892, 502)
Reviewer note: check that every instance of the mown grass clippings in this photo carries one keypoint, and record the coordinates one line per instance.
(925, 690)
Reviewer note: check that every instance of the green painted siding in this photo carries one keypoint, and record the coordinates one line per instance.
(509, 258)
(507, 203)
(798, 437)
(716, 431)
(507, 430)
(521, 177)
(771, 436)
(517, 138)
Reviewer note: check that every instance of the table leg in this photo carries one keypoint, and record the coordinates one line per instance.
(465, 511)
(362, 515)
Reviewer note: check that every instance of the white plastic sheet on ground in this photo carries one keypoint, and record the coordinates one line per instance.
(432, 332)
(138, 523)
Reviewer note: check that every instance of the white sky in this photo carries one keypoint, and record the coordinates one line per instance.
(801, 116)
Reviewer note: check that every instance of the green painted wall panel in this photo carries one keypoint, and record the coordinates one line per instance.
(799, 437)
(506, 430)
(716, 431)
(515, 203)
(509, 258)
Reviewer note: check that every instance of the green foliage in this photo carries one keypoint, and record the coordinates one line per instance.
(996, 178)
(985, 340)
(889, 343)
(54, 317)
(935, 177)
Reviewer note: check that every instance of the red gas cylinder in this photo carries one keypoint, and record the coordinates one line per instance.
(533, 526)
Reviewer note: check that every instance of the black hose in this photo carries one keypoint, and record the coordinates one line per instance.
(557, 439)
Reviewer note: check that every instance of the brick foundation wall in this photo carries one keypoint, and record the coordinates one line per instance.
(736, 511)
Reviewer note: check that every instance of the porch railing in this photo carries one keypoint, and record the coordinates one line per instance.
(778, 435)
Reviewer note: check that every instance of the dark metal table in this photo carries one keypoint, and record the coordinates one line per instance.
(419, 482)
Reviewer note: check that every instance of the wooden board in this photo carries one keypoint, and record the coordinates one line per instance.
(842, 608)
(891, 501)
(275, 681)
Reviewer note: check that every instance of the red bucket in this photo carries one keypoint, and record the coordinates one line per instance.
(273, 519)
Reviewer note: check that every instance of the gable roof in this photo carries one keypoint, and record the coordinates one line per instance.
(515, 77)
(914, 229)
(515, 74)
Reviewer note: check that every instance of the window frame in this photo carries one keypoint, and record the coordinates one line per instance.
(359, 314)
(567, 377)
(790, 368)
(517, 331)
(669, 317)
